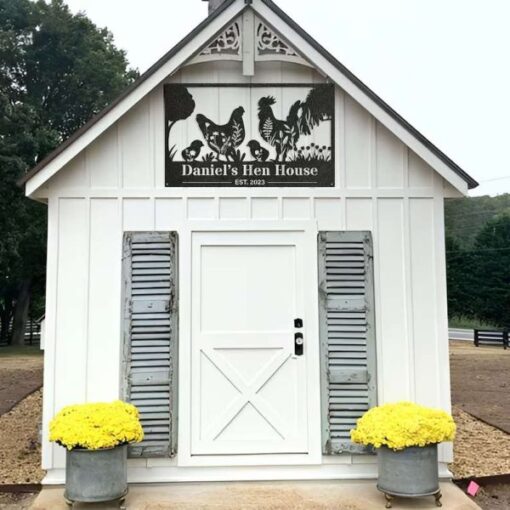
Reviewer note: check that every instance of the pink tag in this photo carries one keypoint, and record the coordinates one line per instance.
(473, 489)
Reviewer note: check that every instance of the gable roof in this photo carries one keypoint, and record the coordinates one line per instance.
(216, 21)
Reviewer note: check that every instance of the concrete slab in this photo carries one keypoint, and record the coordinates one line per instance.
(306, 495)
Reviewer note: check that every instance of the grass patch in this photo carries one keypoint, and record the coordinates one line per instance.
(29, 350)
(463, 322)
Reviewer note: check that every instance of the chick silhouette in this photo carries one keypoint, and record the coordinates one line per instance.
(193, 151)
(257, 151)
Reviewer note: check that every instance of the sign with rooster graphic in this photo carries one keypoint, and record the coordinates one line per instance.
(249, 135)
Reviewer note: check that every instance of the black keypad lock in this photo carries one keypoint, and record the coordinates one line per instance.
(299, 344)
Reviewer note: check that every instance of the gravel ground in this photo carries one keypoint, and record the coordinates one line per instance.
(480, 450)
(20, 452)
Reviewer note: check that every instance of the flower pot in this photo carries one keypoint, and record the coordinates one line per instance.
(412, 472)
(94, 476)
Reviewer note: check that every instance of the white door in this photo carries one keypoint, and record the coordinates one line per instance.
(249, 383)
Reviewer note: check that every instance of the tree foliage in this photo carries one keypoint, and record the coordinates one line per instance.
(466, 217)
(57, 70)
(491, 268)
(478, 258)
(457, 261)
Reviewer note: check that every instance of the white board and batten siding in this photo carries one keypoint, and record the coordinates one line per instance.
(117, 185)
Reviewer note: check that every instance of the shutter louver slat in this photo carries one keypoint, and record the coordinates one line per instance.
(347, 340)
(151, 337)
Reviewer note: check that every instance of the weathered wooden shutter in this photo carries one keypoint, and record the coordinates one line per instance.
(150, 338)
(347, 335)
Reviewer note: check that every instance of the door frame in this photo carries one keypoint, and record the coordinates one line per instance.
(309, 232)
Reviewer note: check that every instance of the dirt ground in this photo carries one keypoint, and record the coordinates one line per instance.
(481, 382)
(494, 497)
(491, 496)
(16, 501)
(20, 375)
(480, 378)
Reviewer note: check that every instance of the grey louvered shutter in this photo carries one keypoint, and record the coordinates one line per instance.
(150, 338)
(348, 362)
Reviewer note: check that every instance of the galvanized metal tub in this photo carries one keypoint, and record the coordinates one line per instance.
(412, 472)
(94, 476)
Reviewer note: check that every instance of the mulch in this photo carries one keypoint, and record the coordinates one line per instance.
(480, 378)
(19, 377)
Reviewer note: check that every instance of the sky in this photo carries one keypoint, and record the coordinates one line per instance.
(442, 64)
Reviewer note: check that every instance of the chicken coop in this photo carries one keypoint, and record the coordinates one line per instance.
(248, 245)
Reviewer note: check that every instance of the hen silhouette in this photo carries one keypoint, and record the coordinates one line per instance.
(224, 140)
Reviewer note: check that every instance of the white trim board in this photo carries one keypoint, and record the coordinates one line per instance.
(138, 474)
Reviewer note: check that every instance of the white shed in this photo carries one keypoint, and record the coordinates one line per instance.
(248, 245)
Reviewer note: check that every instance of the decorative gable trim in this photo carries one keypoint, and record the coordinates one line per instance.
(233, 43)
(297, 39)
(226, 46)
(270, 44)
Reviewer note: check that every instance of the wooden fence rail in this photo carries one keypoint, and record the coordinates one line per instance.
(491, 337)
(32, 332)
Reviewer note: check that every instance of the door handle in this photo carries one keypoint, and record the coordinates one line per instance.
(299, 343)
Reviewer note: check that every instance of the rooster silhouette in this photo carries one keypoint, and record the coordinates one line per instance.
(282, 135)
(224, 140)
(302, 118)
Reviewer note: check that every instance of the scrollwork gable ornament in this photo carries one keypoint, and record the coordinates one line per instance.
(266, 45)
(270, 44)
(228, 43)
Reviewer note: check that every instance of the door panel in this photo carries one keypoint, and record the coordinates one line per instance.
(249, 392)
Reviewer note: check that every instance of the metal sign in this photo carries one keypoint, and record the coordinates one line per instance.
(249, 135)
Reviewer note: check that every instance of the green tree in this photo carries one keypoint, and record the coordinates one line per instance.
(57, 70)
(491, 271)
(457, 279)
(466, 217)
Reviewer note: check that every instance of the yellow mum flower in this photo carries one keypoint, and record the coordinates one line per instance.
(96, 426)
(403, 425)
